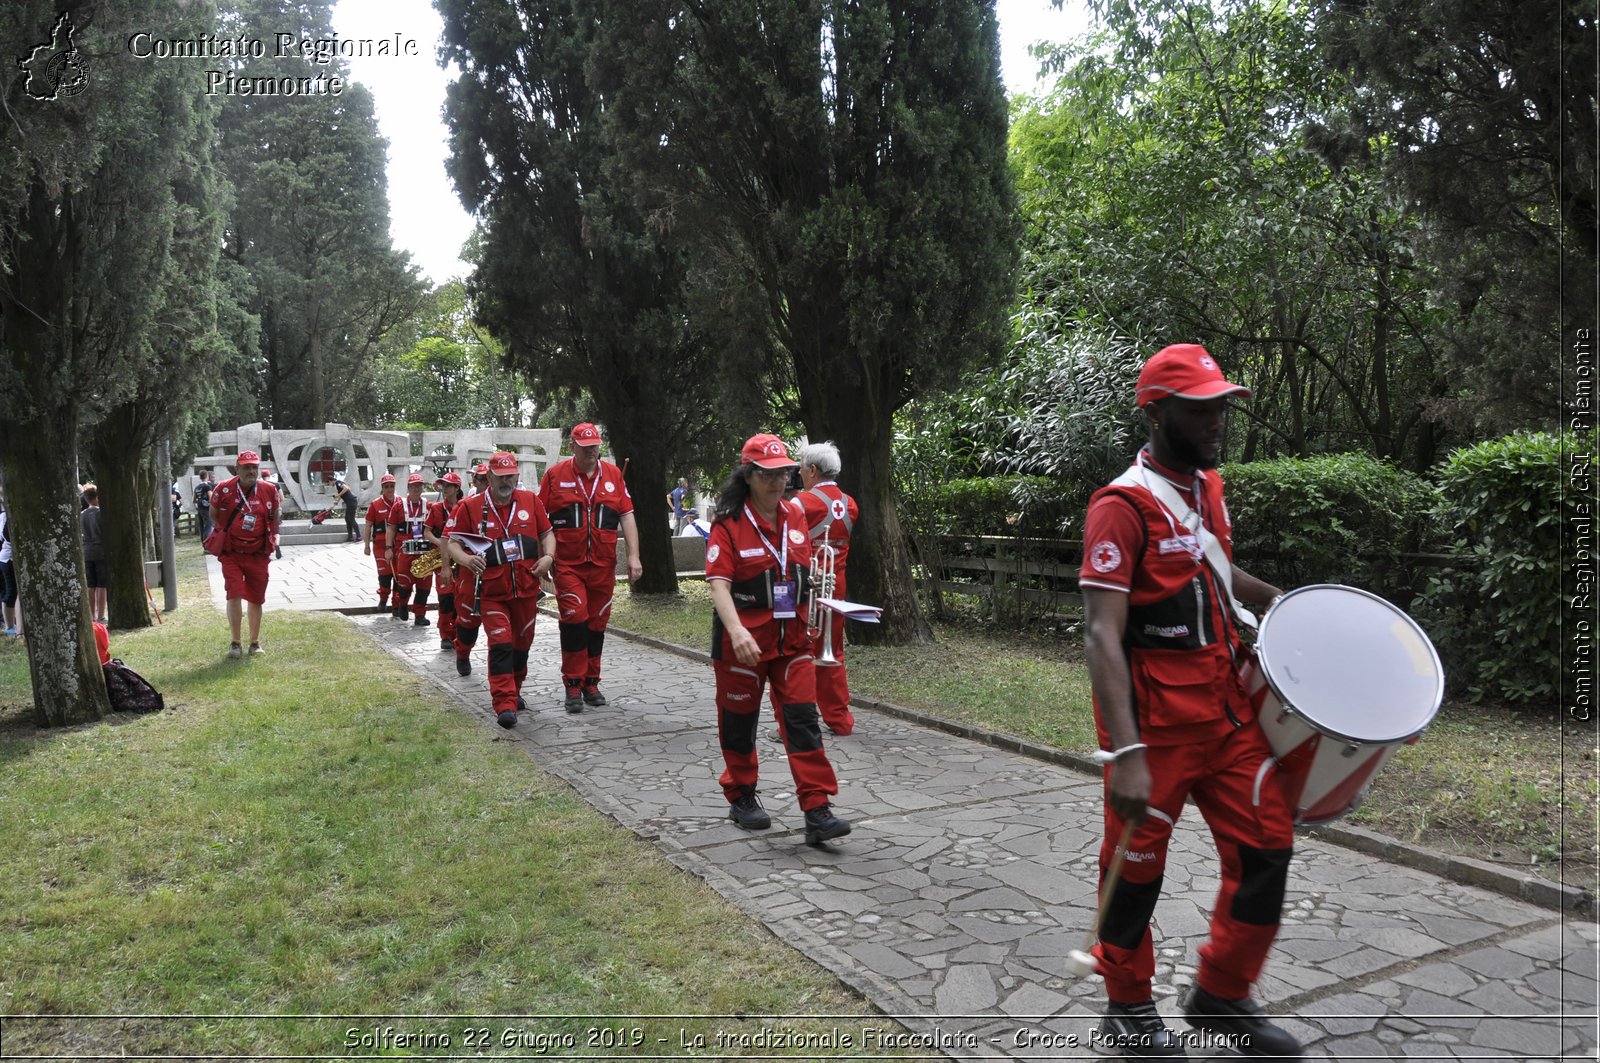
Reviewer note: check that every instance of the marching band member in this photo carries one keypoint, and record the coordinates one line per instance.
(756, 558)
(831, 515)
(519, 550)
(588, 505)
(1171, 709)
(377, 533)
(247, 509)
(467, 619)
(406, 521)
(439, 524)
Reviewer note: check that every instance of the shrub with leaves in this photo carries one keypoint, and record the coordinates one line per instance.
(1337, 518)
(1494, 618)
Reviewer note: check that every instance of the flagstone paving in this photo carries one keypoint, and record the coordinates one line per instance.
(970, 874)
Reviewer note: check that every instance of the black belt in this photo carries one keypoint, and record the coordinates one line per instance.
(527, 547)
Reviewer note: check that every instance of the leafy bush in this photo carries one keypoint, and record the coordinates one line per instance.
(1494, 618)
(1338, 518)
(1027, 506)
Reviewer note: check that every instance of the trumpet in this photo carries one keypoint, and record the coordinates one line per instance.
(819, 618)
(423, 564)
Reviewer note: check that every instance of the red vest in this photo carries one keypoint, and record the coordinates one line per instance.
(1182, 643)
(585, 513)
(378, 516)
(523, 521)
(251, 531)
(832, 515)
(406, 521)
(735, 552)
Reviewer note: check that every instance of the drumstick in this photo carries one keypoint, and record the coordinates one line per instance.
(1081, 962)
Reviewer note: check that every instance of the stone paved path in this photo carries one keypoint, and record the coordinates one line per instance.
(970, 873)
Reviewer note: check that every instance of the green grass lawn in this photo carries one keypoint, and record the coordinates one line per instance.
(1509, 787)
(314, 833)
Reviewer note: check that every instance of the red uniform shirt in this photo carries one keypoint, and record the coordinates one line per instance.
(406, 519)
(835, 509)
(378, 515)
(258, 514)
(524, 516)
(1180, 638)
(744, 546)
(585, 511)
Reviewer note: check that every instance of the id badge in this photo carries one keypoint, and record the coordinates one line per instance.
(783, 600)
(247, 522)
(416, 529)
(511, 549)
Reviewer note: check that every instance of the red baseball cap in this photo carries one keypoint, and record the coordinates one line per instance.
(386, 478)
(481, 469)
(585, 435)
(415, 478)
(767, 452)
(1184, 371)
(503, 462)
(450, 478)
(249, 457)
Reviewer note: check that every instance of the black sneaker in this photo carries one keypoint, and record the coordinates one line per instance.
(592, 695)
(822, 824)
(421, 621)
(1242, 1023)
(574, 700)
(748, 813)
(463, 665)
(1135, 1031)
(446, 644)
(398, 614)
(507, 719)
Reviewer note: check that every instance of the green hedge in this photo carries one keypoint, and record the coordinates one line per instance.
(1030, 506)
(1496, 617)
(1339, 518)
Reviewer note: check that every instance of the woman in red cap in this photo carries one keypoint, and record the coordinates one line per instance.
(377, 532)
(438, 526)
(247, 510)
(756, 557)
(407, 518)
(512, 549)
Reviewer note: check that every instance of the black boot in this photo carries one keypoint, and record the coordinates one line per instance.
(747, 812)
(822, 824)
(1135, 1031)
(1242, 1023)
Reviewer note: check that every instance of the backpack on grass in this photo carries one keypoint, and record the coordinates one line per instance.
(130, 691)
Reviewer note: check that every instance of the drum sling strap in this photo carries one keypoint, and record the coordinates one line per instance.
(1168, 496)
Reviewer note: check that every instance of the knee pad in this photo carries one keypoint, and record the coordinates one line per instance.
(802, 733)
(502, 659)
(447, 603)
(422, 596)
(467, 635)
(573, 638)
(595, 640)
(520, 659)
(1128, 916)
(384, 580)
(1263, 878)
(739, 731)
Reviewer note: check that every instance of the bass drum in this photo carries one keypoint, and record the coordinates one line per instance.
(1341, 680)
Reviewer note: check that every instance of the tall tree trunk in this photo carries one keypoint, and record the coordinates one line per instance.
(125, 502)
(38, 455)
(47, 548)
(647, 471)
(319, 390)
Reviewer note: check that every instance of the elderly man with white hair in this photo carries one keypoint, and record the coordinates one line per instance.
(832, 516)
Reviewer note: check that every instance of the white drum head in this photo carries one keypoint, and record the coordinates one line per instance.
(1353, 665)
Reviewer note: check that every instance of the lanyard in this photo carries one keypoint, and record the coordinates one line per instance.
(1196, 550)
(781, 558)
(511, 511)
(593, 486)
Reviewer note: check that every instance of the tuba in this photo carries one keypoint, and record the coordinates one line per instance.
(819, 618)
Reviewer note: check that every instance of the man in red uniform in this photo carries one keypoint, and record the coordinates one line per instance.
(511, 550)
(832, 516)
(407, 518)
(756, 558)
(377, 534)
(588, 504)
(438, 526)
(1174, 719)
(248, 511)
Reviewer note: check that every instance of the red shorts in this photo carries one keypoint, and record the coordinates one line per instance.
(245, 576)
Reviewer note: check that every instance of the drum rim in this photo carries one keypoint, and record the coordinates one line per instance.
(1318, 725)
